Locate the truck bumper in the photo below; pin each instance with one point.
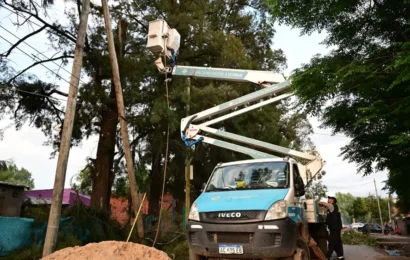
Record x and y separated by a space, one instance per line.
268 239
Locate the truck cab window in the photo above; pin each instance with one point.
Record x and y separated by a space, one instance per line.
262 175
298 181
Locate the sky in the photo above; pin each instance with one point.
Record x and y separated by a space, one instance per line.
26 146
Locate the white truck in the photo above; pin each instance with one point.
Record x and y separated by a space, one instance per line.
252 209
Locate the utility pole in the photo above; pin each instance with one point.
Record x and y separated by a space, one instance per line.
188 159
388 206
64 152
121 113
378 203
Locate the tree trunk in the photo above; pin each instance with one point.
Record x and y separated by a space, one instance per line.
155 185
103 175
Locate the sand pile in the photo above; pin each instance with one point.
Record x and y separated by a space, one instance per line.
109 250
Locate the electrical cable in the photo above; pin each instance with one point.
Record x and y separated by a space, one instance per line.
38 52
40 63
34 93
166 154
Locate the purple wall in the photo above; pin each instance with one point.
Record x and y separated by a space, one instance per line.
69 196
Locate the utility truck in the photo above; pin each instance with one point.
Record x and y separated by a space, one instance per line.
251 209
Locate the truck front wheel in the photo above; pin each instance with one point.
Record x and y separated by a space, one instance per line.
301 253
193 256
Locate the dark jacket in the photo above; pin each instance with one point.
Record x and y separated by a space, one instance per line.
334 220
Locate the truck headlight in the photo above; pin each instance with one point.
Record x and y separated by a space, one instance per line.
193 213
278 210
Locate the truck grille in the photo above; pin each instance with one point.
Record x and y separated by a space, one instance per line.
230 237
225 217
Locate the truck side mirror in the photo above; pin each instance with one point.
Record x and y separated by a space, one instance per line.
299 187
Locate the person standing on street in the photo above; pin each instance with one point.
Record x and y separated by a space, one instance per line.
334 223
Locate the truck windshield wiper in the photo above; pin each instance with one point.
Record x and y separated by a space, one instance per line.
225 188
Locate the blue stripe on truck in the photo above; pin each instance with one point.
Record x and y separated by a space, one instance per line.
239 199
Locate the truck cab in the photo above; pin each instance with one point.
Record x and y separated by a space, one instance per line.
249 209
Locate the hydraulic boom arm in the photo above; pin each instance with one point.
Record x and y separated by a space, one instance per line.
162 42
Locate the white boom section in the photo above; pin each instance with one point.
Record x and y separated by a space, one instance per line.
264 96
255 76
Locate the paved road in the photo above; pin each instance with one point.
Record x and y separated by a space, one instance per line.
365 252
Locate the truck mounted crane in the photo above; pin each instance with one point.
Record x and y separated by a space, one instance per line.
253 209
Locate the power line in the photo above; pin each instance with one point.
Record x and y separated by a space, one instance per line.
38 52
35 94
22 16
39 63
350 186
330 135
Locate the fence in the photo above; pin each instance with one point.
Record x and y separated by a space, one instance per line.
16 233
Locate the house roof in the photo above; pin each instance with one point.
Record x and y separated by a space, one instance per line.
14 185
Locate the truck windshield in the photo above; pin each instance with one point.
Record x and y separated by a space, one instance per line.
263 175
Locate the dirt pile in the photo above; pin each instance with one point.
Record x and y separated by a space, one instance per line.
109 250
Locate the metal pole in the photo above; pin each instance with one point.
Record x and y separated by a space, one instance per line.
378 203
121 114
64 152
188 159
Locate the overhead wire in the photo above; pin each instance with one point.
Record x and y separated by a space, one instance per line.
39 63
38 52
166 154
35 94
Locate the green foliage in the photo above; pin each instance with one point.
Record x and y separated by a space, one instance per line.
345 203
82 182
352 237
26 253
316 190
178 251
214 33
363 209
36 252
361 88
10 173
91 225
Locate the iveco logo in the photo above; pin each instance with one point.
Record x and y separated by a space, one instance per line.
229 215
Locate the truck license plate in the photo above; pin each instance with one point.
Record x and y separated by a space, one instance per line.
230 249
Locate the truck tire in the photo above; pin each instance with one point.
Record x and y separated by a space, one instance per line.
193 256
302 251
319 233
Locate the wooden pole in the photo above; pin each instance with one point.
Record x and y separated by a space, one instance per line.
57 199
388 206
378 203
121 112
188 160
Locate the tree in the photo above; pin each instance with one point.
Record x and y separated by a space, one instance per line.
316 190
10 173
345 202
361 88
238 37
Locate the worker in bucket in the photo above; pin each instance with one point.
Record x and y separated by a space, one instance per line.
334 223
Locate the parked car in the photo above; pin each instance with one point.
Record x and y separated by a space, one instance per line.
357 226
371 228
